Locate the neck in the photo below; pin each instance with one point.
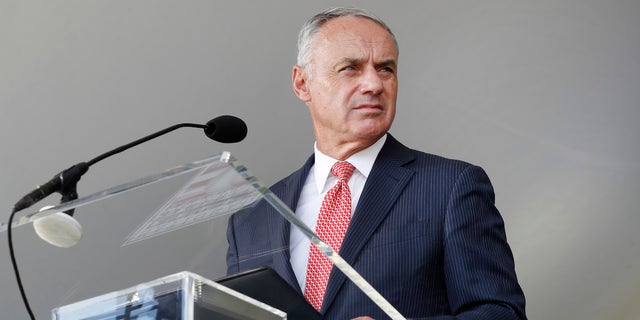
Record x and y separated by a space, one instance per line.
343 150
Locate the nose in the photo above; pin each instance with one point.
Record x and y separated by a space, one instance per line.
371 82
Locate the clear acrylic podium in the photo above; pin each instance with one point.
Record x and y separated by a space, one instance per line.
210 189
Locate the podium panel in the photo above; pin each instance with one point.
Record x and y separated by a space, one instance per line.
181 296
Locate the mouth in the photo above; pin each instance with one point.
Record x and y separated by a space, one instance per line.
369 107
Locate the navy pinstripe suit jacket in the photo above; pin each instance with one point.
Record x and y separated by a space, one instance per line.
425 234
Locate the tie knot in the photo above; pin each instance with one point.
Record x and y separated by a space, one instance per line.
343 170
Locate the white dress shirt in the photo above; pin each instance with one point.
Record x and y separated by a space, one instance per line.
318 182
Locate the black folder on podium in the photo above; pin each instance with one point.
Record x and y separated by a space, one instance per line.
265 285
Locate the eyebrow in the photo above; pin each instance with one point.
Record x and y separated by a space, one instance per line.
358 61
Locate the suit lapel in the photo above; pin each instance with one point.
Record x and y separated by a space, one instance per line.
289 193
384 185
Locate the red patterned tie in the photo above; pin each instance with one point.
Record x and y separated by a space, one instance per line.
333 221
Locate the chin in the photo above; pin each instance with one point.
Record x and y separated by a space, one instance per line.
372 135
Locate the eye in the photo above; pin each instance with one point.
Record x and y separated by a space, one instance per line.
348 68
387 69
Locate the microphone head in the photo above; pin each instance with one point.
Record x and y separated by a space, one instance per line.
226 129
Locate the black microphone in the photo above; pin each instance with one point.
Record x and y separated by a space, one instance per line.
225 129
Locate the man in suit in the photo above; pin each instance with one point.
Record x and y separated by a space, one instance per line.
423 230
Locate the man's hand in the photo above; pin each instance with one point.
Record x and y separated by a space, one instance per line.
363 318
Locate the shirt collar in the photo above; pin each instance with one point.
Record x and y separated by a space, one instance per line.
363 161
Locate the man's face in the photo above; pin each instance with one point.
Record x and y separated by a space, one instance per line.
353 86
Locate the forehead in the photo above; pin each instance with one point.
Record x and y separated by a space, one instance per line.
354 34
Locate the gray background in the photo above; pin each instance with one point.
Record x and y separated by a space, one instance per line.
543 94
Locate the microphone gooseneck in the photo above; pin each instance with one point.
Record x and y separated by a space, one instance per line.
225 129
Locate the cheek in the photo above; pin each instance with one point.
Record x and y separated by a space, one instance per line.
323 91
392 88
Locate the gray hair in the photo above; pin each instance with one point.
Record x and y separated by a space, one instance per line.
313 25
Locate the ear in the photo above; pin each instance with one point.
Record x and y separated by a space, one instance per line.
300 85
